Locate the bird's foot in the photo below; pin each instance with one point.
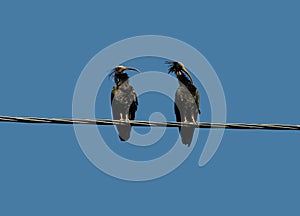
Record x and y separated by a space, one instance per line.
194 121
121 117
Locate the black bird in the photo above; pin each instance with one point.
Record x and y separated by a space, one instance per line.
187 99
123 100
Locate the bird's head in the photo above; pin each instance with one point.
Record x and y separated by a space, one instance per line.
120 69
178 68
118 73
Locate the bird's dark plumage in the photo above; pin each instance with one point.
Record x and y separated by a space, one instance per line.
187 99
124 101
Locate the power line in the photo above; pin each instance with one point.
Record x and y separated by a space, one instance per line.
35 120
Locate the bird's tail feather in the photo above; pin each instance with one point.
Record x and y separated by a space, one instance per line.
186 134
124 132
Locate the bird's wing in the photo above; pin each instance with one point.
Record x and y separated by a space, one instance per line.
134 105
177 104
197 100
135 99
115 110
112 95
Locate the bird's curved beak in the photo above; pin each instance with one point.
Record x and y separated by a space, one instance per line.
134 69
187 73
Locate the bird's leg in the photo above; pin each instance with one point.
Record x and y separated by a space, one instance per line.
194 121
185 119
193 118
126 118
121 117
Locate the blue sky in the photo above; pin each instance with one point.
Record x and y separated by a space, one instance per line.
254 49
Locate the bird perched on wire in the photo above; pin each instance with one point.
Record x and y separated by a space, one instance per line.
124 100
186 105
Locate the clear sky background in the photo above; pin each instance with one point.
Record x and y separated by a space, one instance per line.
253 47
